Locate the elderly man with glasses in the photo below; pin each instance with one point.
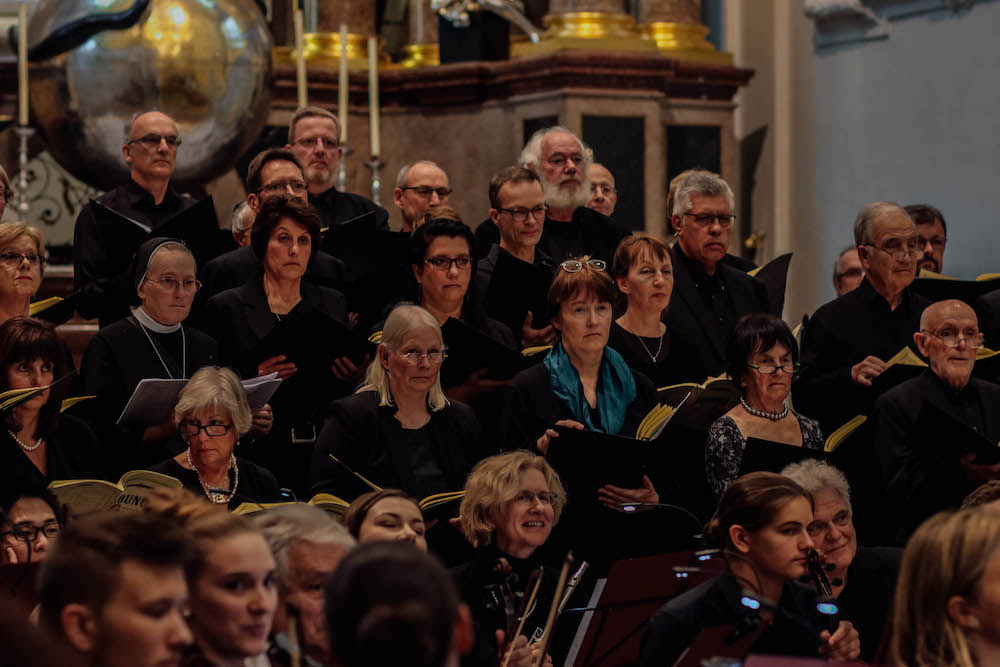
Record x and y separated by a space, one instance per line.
314 138
419 187
919 477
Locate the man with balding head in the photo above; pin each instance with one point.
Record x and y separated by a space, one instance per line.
603 194
847 271
419 187
848 341
918 479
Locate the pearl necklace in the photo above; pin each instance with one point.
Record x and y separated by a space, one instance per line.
27 448
773 416
217 498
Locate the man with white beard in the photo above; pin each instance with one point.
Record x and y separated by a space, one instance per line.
571 229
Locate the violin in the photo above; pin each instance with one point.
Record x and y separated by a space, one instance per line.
817 575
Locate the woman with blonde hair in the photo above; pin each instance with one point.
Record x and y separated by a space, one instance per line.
22 267
947 606
231 581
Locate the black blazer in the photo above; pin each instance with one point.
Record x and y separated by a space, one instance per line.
241 266
697 350
363 435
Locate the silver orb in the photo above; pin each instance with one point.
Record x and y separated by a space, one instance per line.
205 63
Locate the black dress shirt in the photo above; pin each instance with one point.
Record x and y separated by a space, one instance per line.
839 335
103 292
649 356
335 207
588 233
866 599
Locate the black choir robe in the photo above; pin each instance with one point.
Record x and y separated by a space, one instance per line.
335 207
71 452
649 356
117 358
589 233
241 266
866 599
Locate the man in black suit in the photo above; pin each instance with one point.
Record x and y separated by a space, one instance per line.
571 229
314 139
919 480
709 296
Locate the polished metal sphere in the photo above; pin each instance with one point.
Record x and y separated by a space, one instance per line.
205 63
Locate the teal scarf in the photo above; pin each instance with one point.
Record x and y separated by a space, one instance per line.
615 388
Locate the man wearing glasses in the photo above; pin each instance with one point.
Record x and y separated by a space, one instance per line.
603 194
918 478
150 150
314 139
848 341
30 520
933 232
419 187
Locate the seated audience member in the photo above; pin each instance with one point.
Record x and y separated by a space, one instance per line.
933 232
709 296
40 444
241 223
386 515
274 172
512 501
517 208
944 609
420 186
919 479
307 544
763 358
232 580
390 604
603 195
284 238
314 138
22 267
763 520
645 276
399 430
863 578
571 229
152 342
30 521
847 271
113 591
848 341
212 414
987 495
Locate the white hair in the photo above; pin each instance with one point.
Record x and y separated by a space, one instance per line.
813 475
286 525
242 216
864 224
531 155
703 183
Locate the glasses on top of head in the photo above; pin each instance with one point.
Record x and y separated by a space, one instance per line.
426 191
520 214
26 532
152 141
310 142
528 497
414 357
952 338
11 258
214 430
706 219
170 284
444 263
298 187
899 250
574 265
771 369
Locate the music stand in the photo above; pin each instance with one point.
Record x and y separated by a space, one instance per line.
725 641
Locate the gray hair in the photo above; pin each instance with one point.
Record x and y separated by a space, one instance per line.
836 262
310 112
285 525
864 224
243 215
531 155
703 183
215 389
813 475
405 171
400 322
130 125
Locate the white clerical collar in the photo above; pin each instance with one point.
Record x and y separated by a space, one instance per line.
151 324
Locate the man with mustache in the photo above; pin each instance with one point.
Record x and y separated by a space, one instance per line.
933 231
570 229
918 478
709 295
314 139
847 342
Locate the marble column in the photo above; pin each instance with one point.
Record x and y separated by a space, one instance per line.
422 49
676 29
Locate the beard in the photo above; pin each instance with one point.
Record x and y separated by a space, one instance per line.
323 175
566 195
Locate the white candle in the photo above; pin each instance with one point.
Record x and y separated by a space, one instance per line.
420 21
22 64
300 59
342 85
376 144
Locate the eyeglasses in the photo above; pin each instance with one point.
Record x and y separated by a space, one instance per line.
574 265
414 357
444 263
706 219
171 284
851 273
426 191
529 497
898 250
841 520
152 141
310 142
952 338
15 258
771 369
298 187
213 430
605 190
26 532
560 160
521 214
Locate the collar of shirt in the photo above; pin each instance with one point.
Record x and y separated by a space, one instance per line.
866 292
327 196
701 279
140 198
967 395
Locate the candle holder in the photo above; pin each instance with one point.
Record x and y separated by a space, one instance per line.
342 169
24 133
374 165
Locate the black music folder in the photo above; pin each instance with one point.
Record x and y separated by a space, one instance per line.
949 438
515 288
470 350
312 340
769 456
774 275
940 288
588 460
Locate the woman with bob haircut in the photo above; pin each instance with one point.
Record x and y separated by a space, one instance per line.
512 501
761 529
763 358
386 515
22 267
948 593
212 414
232 581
